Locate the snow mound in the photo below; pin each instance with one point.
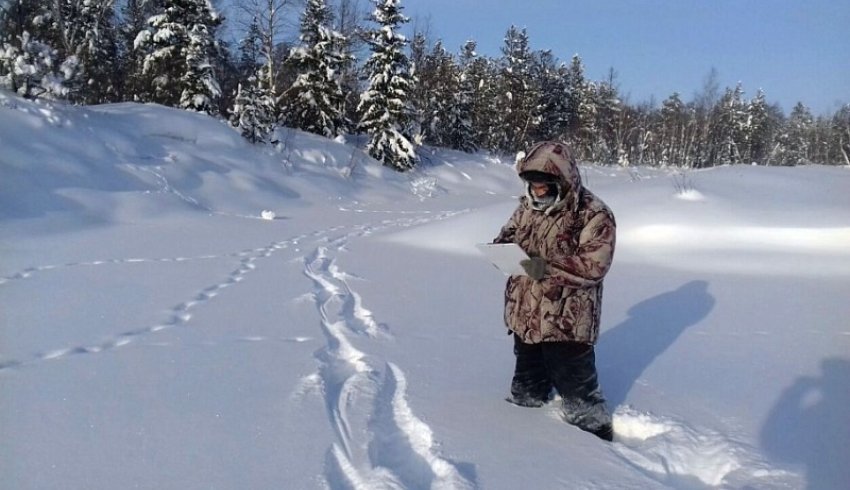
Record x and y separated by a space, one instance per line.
691 195
678 452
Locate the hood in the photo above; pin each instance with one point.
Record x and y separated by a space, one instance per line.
554 158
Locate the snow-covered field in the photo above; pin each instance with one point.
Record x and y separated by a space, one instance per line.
157 332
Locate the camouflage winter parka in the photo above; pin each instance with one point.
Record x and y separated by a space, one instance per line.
575 236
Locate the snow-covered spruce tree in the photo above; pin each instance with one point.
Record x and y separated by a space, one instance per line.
384 106
28 67
178 45
554 95
314 102
479 73
581 109
518 111
727 131
30 63
760 128
672 132
793 142
88 32
437 88
459 133
607 145
250 51
348 23
253 111
134 15
840 140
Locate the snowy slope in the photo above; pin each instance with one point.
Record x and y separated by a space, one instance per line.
156 332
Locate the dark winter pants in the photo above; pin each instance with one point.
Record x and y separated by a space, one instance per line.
570 368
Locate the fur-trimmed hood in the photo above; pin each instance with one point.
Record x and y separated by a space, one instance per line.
555 158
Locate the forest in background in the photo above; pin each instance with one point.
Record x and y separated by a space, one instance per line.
344 67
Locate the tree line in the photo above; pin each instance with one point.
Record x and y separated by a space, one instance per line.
350 73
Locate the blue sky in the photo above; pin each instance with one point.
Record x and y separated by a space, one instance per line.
795 50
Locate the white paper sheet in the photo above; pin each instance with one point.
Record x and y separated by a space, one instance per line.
504 256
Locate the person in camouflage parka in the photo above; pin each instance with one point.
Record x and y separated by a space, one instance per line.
554 311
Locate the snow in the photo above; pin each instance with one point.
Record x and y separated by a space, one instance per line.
183 309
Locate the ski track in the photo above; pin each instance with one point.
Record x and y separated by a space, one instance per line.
380 443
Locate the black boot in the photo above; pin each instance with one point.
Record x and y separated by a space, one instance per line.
606 432
530 386
572 368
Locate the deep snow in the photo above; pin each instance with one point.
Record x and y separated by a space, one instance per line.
159 330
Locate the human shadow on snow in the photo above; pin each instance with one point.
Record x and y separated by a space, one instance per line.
810 425
653 325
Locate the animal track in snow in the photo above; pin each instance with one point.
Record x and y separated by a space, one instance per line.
180 315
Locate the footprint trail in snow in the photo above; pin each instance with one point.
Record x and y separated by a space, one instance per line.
379 442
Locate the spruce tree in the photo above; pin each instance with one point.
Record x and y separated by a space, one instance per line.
87 32
760 130
385 108
178 46
459 133
437 83
581 108
793 145
840 140
253 111
672 131
727 130
518 101
315 100
478 72
31 61
606 146
554 94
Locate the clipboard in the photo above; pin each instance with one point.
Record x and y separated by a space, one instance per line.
504 256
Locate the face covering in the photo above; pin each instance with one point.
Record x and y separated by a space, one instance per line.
546 200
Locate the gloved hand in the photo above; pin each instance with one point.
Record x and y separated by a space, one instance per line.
535 267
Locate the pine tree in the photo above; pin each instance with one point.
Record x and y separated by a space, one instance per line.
385 108
178 45
315 100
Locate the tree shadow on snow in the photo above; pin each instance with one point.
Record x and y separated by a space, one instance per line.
810 425
651 328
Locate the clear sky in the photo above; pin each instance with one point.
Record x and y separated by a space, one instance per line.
795 50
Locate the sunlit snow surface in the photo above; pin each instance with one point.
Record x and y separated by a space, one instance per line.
180 309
